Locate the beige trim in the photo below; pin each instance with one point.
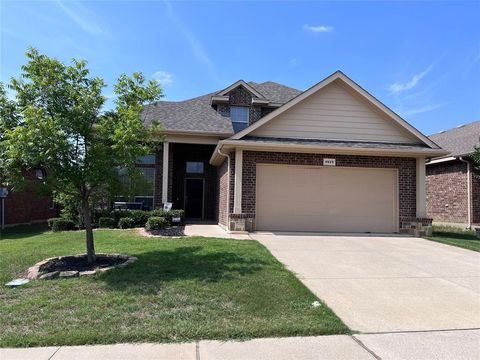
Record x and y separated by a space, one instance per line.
165 172
226 145
420 188
237 195
338 75
195 139
394 194
469 192
440 160
236 84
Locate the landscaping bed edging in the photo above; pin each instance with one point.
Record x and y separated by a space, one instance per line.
41 269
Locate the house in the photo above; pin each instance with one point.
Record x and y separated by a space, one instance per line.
453 189
24 207
264 156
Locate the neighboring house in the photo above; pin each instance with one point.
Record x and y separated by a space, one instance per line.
264 156
25 207
453 189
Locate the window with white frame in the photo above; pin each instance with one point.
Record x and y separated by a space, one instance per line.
239 116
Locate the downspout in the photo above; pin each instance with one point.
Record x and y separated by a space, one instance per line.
469 193
228 180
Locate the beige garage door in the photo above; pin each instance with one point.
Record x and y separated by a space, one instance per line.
301 198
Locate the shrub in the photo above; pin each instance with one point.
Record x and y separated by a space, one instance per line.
126 223
158 213
106 222
156 223
139 217
61 224
176 213
97 214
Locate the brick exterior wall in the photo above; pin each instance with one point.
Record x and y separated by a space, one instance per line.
25 207
222 199
406 171
242 97
446 185
157 199
476 198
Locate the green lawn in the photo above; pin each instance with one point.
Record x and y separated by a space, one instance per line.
178 290
456 237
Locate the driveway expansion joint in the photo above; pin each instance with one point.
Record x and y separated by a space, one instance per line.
363 346
197 350
413 331
54 353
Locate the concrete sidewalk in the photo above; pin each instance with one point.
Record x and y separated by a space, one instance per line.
458 344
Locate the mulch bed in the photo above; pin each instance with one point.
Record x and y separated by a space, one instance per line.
79 263
169 231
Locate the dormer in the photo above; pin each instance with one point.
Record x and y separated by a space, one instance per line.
242 103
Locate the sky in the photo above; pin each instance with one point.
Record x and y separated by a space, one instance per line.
421 59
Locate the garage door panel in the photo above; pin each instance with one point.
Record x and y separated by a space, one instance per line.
297 198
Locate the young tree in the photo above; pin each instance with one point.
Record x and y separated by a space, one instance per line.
476 159
56 125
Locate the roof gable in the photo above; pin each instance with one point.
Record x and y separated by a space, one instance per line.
245 85
336 108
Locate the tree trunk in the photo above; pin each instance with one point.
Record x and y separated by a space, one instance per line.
87 217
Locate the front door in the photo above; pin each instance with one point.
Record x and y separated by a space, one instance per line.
194 198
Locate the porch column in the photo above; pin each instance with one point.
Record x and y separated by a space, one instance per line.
237 195
421 192
165 173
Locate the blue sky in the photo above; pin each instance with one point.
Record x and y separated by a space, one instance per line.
422 59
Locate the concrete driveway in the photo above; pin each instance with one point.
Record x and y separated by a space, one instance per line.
386 284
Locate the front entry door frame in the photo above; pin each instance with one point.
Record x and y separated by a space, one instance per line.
185 195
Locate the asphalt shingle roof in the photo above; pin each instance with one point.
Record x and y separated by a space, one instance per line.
337 143
197 115
460 140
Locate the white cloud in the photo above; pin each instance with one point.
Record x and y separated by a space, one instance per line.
163 77
423 109
398 87
318 28
88 26
294 62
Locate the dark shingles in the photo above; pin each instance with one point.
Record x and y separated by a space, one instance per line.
460 140
197 115
335 143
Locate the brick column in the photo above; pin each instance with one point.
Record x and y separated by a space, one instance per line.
165 172
420 189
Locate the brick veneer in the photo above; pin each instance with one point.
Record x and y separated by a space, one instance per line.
406 173
242 97
446 185
476 198
25 207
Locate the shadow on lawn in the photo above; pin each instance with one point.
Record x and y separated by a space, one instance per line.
456 235
22 231
183 263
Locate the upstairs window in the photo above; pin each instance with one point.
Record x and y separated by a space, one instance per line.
239 116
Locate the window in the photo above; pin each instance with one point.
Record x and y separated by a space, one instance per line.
146 159
139 187
194 167
239 116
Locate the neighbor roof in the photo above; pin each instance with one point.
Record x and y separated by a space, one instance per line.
460 141
197 114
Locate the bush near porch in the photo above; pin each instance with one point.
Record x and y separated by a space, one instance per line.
122 219
178 290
